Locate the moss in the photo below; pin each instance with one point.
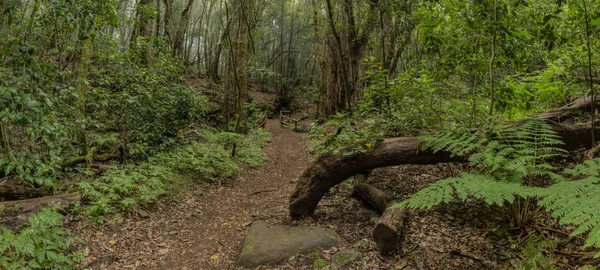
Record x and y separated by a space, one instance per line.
320 264
342 259
247 247
332 234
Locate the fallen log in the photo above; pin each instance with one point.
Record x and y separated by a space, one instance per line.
567 111
329 170
374 198
575 136
14 191
21 210
389 229
82 159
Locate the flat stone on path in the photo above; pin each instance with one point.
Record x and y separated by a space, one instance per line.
345 257
267 243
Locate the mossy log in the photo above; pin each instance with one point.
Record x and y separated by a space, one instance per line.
82 159
14 191
21 210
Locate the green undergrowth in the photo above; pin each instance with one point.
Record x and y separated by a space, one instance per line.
513 168
209 157
212 157
42 244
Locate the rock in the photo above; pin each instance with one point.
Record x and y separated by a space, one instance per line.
267 243
320 264
345 257
107 260
142 213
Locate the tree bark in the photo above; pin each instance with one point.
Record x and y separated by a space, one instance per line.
177 46
389 230
331 169
23 209
374 198
390 227
565 112
16 191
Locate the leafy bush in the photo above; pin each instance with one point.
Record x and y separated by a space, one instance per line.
120 190
41 245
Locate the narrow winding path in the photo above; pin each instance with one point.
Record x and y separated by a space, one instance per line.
203 228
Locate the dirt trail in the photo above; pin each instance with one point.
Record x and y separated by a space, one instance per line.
203 227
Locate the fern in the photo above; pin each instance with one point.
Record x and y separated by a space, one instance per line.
577 202
533 253
507 153
42 245
483 187
505 158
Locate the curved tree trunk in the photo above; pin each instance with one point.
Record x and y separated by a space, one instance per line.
329 170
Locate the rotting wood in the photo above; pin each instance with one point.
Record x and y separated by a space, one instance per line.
23 209
12 191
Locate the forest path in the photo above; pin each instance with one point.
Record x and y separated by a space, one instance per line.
203 227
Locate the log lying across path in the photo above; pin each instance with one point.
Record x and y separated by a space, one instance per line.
390 227
329 170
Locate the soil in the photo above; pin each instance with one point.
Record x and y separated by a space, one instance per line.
203 226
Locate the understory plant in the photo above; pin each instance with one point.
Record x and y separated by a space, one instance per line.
42 244
210 157
513 169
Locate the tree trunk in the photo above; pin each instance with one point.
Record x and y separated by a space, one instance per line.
390 227
143 27
213 68
23 209
331 169
246 7
177 46
167 20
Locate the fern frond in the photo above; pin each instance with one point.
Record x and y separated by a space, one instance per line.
484 187
578 203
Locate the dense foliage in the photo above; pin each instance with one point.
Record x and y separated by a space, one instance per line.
87 82
41 245
512 168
